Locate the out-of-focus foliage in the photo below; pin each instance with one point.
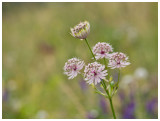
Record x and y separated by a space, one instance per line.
37 42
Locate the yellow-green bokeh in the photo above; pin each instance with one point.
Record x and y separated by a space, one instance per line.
36 43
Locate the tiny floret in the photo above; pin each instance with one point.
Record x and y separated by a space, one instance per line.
72 67
94 72
102 50
81 30
118 60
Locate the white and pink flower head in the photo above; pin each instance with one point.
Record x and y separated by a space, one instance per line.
81 30
94 72
102 50
118 60
72 67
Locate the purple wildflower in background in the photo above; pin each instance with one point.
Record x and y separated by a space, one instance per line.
128 111
151 107
103 105
5 95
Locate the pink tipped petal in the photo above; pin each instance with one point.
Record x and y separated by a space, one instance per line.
72 67
102 50
94 72
118 60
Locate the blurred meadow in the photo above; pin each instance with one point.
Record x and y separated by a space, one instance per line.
36 43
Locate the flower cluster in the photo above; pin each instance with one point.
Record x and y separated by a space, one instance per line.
101 50
118 60
81 30
94 72
72 67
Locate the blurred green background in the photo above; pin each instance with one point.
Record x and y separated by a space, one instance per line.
37 42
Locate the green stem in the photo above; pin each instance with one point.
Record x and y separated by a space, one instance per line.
103 83
90 49
110 98
117 84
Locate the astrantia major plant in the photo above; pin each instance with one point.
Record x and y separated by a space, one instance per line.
96 72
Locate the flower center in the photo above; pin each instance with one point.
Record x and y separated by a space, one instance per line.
118 62
102 52
95 73
74 68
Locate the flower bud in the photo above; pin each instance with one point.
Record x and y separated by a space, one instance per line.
81 30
